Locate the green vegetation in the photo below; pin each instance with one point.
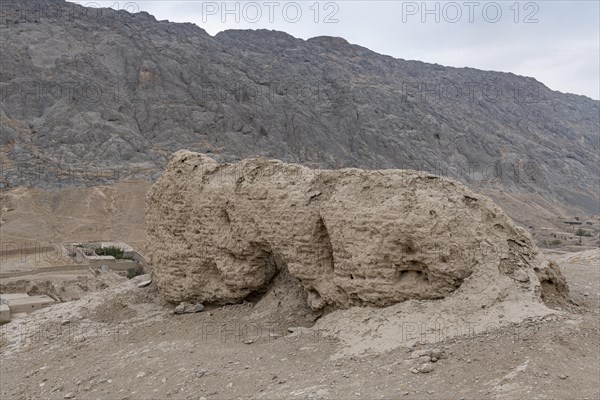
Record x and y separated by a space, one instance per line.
581 232
133 272
112 251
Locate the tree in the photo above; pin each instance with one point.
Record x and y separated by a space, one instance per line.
581 232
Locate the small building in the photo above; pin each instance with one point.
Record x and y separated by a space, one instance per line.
4 313
16 303
89 254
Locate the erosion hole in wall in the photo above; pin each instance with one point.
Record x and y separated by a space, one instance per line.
412 273
312 292
225 216
412 277
324 252
272 262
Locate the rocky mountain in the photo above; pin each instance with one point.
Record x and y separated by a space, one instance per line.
92 96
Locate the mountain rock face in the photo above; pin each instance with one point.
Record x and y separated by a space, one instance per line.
91 96
220 233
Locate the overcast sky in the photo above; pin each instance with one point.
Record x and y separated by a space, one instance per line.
556 42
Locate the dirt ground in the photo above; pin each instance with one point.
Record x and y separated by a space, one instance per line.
60 286
36 218
125 343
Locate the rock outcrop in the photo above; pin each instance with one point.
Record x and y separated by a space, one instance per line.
221 233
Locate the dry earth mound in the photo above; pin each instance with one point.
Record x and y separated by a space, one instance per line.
222 233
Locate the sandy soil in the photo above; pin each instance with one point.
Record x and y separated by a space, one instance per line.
62 286
36 217
125 343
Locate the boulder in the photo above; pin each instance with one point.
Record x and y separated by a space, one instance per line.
188 308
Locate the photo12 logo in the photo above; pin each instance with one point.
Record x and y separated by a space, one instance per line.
20 11
471 92
77 90
73 332
270 11
470 11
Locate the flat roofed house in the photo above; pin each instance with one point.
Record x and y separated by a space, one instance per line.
29 304
4 313
22 303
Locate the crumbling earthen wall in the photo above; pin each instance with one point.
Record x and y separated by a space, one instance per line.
219 233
